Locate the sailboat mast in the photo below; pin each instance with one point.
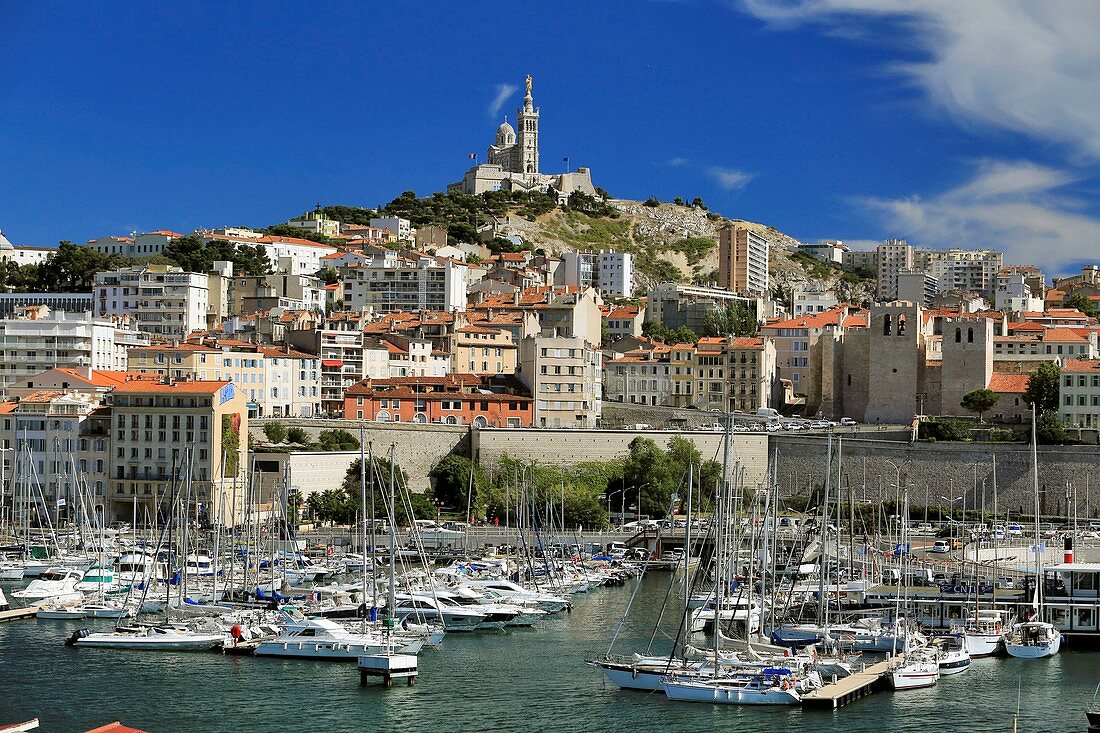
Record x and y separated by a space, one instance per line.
363 514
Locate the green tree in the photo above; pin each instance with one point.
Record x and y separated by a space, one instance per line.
275 432
1049 430
328 275
194 255
652 202
337 440
697 203
72 268
1043 387
731 319
1081 302
980 401
378 477
451 483
658 473
298 435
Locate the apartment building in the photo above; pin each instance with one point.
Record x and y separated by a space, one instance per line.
58 444
827 250
275 381
482 350
401 228
892 257
1080 393
917 286
965 270
41 339
166 429
675 304
346 357
682 374
624 321
742 261
160 299
564 376
457 399
812 299
641 376
611 272
392 283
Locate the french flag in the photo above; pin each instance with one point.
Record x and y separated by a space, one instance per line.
472 156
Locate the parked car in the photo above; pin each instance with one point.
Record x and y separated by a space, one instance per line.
847 421
941 546
1006 582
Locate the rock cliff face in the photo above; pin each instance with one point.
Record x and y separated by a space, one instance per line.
673 242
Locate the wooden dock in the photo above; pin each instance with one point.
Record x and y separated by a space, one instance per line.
17 613
847 689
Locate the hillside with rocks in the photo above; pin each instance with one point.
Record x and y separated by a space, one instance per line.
675 242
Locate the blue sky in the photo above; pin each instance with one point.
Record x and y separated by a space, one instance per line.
964 124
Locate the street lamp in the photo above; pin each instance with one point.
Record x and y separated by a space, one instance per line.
951 507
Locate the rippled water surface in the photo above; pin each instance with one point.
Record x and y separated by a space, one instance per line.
524 680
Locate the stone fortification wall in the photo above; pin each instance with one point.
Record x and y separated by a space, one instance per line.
575 446
945 469
419 447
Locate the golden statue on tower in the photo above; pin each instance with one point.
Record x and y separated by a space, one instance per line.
528 85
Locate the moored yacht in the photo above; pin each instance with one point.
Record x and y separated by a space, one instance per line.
319 638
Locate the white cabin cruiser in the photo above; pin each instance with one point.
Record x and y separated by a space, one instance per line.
319 638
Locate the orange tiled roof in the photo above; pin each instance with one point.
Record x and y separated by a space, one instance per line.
194 386
105 378
1008 383
1081 365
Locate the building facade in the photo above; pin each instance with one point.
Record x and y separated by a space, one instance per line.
161 299
742 261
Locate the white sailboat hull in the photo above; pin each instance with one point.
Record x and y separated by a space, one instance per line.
718 693
983 645
1034 640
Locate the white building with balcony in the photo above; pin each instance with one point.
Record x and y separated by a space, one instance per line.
161 299
50 339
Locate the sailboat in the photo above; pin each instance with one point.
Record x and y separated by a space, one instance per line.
1034 638
919 667
983 634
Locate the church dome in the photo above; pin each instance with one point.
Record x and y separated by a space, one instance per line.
505 134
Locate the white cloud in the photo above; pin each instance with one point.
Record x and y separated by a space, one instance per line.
503 92
1031 67
677 162
1015 207
729 178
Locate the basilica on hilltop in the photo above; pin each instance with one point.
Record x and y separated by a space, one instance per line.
512 161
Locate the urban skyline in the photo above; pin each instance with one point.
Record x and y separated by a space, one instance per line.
878 124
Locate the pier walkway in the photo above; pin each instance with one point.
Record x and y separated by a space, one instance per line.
857 685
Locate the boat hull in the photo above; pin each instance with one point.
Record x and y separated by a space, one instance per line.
983 645
729 695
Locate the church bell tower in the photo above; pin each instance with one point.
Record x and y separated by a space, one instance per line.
527 136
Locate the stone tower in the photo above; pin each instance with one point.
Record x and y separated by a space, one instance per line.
967 360
527 137
895 362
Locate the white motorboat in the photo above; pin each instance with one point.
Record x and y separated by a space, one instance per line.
11 570
139 567
57 584
148 637
951 655
97 578
3 601
320 638
515 593
916 670
421 609
198 564
737 613
772 686
1032 640
984 632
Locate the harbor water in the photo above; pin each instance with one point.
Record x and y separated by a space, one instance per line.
522 680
